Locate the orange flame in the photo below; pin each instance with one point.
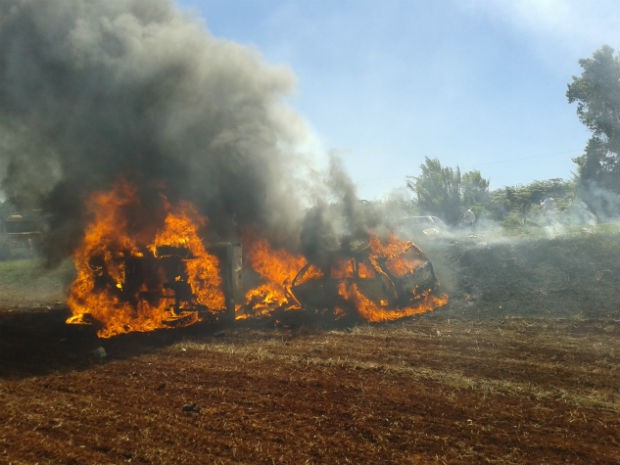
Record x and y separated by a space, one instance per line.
133 277
374 313
277 267
203 271
105 292
399 258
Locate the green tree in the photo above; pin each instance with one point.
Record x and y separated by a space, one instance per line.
444 192
513 204
475 191
438 190
597 93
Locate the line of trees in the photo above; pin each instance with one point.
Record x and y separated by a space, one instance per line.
445 192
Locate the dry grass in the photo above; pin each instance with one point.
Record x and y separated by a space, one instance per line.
493 359
429 390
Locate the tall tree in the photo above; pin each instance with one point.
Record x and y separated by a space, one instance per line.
475 190
597 93
438 190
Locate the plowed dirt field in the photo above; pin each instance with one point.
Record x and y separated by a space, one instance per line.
427 390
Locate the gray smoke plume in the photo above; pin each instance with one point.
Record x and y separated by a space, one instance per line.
91 91
330 227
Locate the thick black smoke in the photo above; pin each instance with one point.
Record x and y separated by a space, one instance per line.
92 90
335 225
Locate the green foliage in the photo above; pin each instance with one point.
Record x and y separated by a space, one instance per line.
475 188
597 93
438 190
512 205
513 223
475 192
442 191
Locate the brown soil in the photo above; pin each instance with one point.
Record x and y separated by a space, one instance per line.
523 366
427 390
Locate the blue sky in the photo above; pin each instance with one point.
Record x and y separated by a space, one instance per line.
478 84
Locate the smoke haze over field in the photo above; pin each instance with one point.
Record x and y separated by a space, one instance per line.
90 91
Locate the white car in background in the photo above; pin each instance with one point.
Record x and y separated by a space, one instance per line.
428 225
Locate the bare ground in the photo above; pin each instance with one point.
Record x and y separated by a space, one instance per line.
427 390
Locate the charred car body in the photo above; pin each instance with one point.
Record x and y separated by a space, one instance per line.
365 282
384 280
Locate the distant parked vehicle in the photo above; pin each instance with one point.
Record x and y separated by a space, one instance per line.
428 225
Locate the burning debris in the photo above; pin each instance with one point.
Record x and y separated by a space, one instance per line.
377 280
128 280
160 155
142 276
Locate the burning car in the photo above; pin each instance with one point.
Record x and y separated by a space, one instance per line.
375 281
167 275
